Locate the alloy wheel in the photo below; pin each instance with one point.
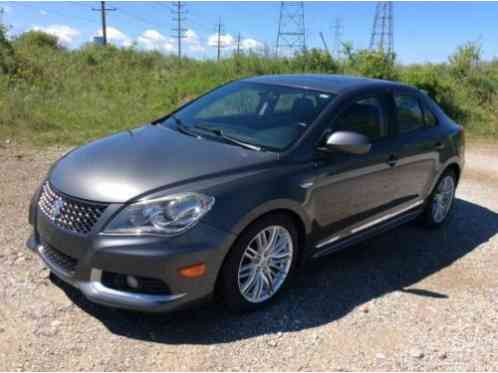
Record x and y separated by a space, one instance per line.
265 264
443 198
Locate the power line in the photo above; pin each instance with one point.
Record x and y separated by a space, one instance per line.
144 22
291 37
382 38
103 11
179 17
52 10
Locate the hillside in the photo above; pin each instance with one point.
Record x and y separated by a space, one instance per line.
50 95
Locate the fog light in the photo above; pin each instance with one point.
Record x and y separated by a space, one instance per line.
132 282
196 270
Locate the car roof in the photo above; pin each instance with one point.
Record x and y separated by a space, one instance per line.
330 83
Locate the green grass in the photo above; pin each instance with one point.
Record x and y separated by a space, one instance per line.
50 95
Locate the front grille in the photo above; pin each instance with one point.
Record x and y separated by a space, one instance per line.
146 285
59 260
68 213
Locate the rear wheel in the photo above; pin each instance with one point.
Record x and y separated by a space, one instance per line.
439 205
260 264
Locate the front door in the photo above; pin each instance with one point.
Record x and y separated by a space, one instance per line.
351 189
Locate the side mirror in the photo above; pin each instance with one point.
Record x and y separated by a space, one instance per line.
347 142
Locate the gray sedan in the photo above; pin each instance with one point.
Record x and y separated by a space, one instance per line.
230 193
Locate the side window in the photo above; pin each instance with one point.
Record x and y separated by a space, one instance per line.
285 103
363 116
430 118
409 114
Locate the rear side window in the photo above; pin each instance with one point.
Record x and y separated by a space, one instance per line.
409 114
430 118
363 116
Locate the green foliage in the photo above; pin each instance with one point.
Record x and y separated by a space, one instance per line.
372 64
7 59
465 60
36 39
314 61
49 94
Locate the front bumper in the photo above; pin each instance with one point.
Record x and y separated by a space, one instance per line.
150 257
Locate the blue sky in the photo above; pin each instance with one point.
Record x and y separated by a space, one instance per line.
423 31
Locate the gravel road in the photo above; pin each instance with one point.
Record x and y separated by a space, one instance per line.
411 299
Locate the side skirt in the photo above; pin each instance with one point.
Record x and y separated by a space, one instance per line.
340 244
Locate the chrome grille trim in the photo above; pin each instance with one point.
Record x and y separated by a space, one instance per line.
68 213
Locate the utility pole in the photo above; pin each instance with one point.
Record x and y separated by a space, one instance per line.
103 11
179 31
238 45
220 27
1 16
382 38
291 37
338 28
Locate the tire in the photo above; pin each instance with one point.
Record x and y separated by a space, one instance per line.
432 217
240 265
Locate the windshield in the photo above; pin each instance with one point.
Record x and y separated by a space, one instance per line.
268 116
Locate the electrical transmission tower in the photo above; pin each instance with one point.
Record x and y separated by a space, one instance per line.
338 29
382 30
179 17
291 37
103 11
1 16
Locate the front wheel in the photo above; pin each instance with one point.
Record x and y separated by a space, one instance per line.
260 264
441 200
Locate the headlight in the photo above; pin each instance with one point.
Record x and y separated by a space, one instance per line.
168 215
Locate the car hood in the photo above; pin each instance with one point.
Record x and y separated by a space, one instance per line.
118 168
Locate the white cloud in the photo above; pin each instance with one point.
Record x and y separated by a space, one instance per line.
65 34
43 12
193 41
226 40
115 36
251 44
154 40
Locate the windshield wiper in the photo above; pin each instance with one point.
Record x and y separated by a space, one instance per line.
219 132
182 127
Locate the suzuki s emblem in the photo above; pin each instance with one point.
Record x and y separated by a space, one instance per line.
57 208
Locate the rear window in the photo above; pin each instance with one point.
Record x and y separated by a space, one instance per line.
430 118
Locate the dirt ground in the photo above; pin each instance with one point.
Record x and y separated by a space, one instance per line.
411 299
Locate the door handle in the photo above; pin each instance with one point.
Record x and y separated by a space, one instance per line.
439 145
392 160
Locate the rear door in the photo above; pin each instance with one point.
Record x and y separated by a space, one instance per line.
418 152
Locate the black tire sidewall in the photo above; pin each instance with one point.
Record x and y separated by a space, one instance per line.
229 285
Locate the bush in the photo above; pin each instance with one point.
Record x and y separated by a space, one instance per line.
7 57
49 94
372 64
36 39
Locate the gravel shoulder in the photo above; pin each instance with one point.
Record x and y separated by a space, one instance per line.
411 299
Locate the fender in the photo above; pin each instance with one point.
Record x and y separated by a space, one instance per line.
274 205
455 160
